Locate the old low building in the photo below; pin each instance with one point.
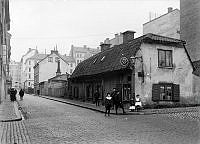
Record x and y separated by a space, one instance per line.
157 68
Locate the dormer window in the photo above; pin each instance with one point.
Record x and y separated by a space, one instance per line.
94 60
103 58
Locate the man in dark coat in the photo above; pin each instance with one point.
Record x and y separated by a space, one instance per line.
96 97
117 100
13 93
21 94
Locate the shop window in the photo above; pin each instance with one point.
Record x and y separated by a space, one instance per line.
164 58
165 92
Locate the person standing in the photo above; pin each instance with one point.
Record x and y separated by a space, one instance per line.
96 97
21 94
118 102
108 104
113 94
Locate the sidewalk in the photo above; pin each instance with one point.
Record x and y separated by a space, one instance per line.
12 128
101 108
9 111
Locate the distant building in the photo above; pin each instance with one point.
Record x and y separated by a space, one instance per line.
29 53
79 54
165 25
118 39
47 67
190 26
15 74
29 71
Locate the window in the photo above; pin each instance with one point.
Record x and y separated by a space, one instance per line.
56 59
165 92
71 64
164 58
29 84
29 62
29 69
77 61
29 76
103 58
71 71
50 59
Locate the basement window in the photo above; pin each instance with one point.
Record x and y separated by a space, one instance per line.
103 58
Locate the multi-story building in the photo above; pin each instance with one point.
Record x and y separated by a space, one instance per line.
190 26
15 73
29 53
79 54
4 47
165 25
29 71
47 67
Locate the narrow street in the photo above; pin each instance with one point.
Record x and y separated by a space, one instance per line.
51 122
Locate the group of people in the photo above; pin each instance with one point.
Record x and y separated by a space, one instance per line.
13 93
114 100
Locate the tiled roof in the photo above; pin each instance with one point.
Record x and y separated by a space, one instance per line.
111 61
68 58
38 56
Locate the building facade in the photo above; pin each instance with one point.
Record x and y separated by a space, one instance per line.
15 74
5 48
47 68
25 66
157 68
29 71
79 54
166 25
190 26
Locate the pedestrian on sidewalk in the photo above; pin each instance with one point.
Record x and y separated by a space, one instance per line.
113 94
108 104
13 93
96 97
117 100
21 94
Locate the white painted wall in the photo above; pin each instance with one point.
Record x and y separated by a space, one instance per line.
48 70
181 73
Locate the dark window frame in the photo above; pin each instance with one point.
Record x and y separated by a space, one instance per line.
165 85
165 60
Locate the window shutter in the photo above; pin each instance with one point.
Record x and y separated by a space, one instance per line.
176 96
155 92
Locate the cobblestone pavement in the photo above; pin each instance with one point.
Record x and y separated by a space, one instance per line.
51 122
12 129
14 132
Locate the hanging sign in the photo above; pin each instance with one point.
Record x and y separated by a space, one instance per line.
124 61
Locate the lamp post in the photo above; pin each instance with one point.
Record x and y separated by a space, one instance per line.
133 61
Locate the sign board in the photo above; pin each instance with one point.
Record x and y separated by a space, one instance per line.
124 61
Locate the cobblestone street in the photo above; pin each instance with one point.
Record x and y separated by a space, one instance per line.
50 122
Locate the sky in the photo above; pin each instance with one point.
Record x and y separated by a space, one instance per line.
43 24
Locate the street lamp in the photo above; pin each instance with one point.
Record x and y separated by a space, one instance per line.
133 61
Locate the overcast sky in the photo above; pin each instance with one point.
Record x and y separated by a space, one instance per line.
45 23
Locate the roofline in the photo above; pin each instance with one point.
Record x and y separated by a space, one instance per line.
161 16
51 54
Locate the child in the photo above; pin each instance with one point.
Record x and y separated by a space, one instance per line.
108 104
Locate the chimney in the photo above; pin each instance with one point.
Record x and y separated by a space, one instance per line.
107 41
54 51
58 69
104 46
170 9
84 46
127 36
